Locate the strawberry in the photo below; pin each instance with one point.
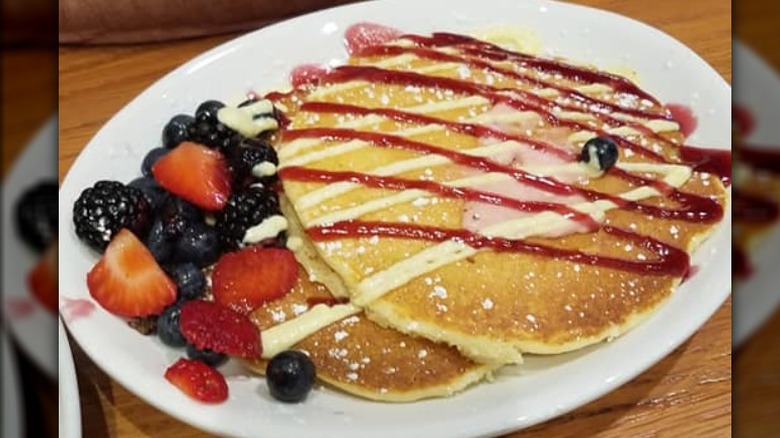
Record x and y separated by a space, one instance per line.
249 277
209 325
42 280
127 281
198 380
196 173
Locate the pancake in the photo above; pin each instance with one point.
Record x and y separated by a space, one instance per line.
355 354
362 358
373 151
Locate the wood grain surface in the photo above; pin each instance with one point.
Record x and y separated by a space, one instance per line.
687 394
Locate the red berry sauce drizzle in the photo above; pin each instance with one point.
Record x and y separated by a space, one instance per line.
751 208
368 40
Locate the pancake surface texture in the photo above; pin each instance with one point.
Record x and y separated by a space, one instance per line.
438 180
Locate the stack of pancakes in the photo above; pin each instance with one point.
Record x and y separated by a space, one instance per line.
430 325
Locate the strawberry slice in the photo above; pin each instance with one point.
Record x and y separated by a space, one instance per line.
198 380
42 280
196 173
127 281
249 277
208 325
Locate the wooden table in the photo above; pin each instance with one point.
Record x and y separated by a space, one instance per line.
686 394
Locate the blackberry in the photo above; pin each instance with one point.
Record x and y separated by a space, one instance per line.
214 134
36 215
105 208
244 210
250 153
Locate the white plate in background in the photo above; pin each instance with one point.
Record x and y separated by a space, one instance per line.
30 323
545 386
757 88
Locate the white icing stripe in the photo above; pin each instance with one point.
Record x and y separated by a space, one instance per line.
680 173
283 336
442 254
268 228
318 196
402 197
402 272
412 194
293 148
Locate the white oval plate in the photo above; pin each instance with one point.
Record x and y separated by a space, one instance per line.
13 412
69 404
543 387
32 324
757 88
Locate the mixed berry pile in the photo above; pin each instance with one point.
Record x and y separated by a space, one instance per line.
182 222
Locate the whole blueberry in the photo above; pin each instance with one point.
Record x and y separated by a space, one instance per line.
158 243
211 358
177 215
151 157
177 130
154 194
168 327
207 111
198 244
603 149
290 376
190 280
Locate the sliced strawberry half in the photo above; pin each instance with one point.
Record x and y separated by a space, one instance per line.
198 380
249 277
127 281
196 173
208 325
42 280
